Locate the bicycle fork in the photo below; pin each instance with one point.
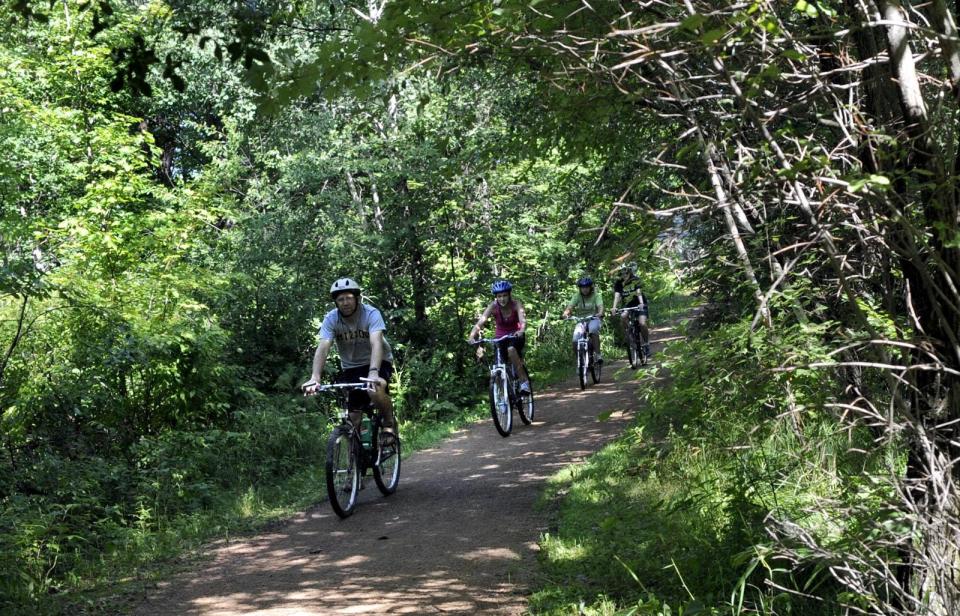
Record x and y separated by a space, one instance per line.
500 382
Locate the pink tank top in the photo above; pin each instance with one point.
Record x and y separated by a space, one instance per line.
506 325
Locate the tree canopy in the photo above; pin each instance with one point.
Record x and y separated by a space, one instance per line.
182 181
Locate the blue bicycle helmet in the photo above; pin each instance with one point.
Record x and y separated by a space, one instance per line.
586 281
500 286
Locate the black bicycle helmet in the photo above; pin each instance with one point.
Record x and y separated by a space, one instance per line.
500 286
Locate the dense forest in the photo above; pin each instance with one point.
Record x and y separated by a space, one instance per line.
181 181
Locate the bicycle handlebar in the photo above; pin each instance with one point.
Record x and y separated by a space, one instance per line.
366 385
494 340
580 319
625 310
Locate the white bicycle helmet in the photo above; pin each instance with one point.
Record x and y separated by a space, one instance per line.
344 284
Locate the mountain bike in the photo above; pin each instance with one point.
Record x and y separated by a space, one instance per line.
587 360
353 450
636 341
505 392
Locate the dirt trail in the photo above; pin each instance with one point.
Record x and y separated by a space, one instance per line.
458 537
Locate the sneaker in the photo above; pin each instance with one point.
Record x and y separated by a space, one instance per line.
525 387
646 350
599 358
387 437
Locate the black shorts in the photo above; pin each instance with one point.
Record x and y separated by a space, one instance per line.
517 343
645 311
357 398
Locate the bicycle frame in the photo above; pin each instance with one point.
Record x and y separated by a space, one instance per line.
340 392
345 472
584 350
502 398
634 334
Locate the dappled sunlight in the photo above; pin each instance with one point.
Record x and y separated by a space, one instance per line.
491 554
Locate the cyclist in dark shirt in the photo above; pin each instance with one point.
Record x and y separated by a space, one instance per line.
627 289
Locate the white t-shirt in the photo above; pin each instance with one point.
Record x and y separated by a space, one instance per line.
352 335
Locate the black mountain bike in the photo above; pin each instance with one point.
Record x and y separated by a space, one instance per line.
353 450
505 392
636 342
587 361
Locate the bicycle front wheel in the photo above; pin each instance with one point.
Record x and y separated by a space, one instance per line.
500 405
343 477
633 349
386 464
582 368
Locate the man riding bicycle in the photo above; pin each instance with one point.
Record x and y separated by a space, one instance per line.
509 318
627 288
359 332
586 302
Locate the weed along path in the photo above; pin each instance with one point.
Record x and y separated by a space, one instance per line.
458 537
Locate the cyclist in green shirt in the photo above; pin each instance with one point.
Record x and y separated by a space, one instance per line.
586 302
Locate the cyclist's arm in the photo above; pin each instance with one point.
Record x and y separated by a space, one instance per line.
522 317
480 323
616 302
599 305
376 355
320 359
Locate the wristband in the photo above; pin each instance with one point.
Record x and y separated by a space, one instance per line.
377 370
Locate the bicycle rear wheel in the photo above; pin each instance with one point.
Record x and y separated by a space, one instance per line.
343 477
595 366
526 404
386 463
500 405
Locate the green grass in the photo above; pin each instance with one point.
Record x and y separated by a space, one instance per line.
671 517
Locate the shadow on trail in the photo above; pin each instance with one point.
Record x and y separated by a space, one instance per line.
458 537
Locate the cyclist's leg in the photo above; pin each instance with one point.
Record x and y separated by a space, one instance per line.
644 331
356 399
578 333
594 328
515 352
381 399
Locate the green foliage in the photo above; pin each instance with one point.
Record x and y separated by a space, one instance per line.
675 512
166 261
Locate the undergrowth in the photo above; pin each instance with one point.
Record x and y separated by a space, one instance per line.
675 516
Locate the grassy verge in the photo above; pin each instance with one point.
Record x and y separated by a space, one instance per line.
677 516
642 525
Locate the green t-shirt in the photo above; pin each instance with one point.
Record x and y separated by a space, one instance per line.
585 306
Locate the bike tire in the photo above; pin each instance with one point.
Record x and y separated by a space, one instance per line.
500 406
527 406
582 368
386 462
595 368
343 476
633 352
641 346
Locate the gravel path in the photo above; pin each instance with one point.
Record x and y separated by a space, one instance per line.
458 537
